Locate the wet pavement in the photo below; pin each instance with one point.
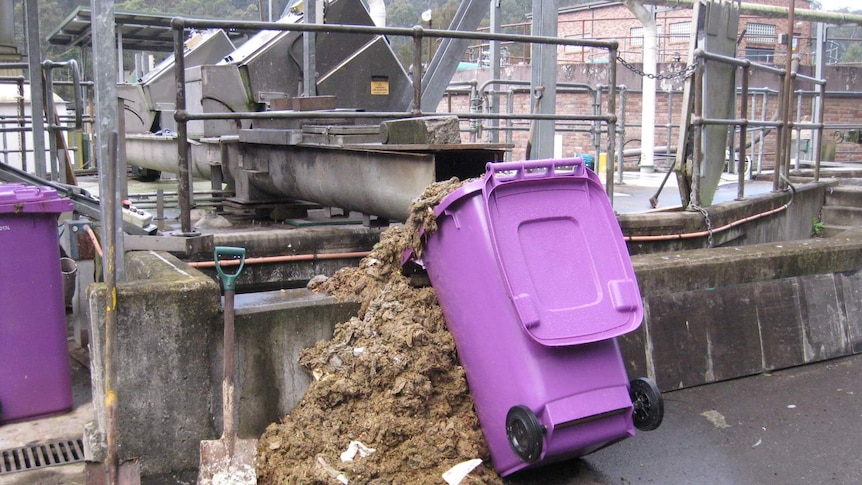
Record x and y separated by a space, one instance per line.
796 426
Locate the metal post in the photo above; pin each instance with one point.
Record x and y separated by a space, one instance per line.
820 99
818 153
105 82
743 134
34 58
544 77
697 149
779 148
798 131
669 123
110 225
184 182
417 70
309 51
57 174
612 122
788 91
621 134
22 138
494 99
120 75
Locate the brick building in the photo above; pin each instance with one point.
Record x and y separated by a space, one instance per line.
614 21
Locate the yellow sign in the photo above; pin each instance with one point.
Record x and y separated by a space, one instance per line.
380 87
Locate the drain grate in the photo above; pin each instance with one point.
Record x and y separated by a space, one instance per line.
41 455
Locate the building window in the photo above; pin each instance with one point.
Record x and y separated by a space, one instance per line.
759 54
636 34
759 33
680 31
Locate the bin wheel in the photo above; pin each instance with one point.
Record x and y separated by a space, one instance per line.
524 432
647 403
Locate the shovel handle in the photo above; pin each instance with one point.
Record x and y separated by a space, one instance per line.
228 279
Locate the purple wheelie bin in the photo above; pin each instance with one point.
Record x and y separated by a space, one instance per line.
35 373
535 282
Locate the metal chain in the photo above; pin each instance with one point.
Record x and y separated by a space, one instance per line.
710 242
681 74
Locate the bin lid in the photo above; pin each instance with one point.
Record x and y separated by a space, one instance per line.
561 251
22 198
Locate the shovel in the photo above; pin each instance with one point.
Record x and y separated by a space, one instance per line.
228 460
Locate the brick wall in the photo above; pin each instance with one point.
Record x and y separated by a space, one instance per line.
614 21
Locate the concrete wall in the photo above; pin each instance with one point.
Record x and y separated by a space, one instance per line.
166 321
786 216
170 350
270 335
723 313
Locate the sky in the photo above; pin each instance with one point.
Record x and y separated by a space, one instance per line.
838 4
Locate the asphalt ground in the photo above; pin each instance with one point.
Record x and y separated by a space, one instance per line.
795 426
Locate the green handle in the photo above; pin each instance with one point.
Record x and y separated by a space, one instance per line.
229 280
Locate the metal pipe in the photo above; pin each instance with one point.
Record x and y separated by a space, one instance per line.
180 115
612 121
31 14
697 151
621 129
743 132
251 26
110 260
21 112
798 131
56 172
818 152
779 146
788 93
281 259
774 12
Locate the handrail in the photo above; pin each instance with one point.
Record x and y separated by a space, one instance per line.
784 124
182 116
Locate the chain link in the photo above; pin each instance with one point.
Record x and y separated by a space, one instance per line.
710 242
681 74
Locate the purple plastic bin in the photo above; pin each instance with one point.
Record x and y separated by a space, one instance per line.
533 275
35 374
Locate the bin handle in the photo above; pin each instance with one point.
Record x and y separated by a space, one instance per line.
228 279
498 172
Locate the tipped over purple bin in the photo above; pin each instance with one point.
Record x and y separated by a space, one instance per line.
533 275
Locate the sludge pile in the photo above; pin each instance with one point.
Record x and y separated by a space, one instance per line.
389 379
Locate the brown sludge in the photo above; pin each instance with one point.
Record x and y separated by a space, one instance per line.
389 378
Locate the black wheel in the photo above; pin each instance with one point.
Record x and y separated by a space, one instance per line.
647 402
524 433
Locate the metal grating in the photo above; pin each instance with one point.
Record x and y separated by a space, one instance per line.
41 455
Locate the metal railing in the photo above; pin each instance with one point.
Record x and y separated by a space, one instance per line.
22 123
417 33
783 124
